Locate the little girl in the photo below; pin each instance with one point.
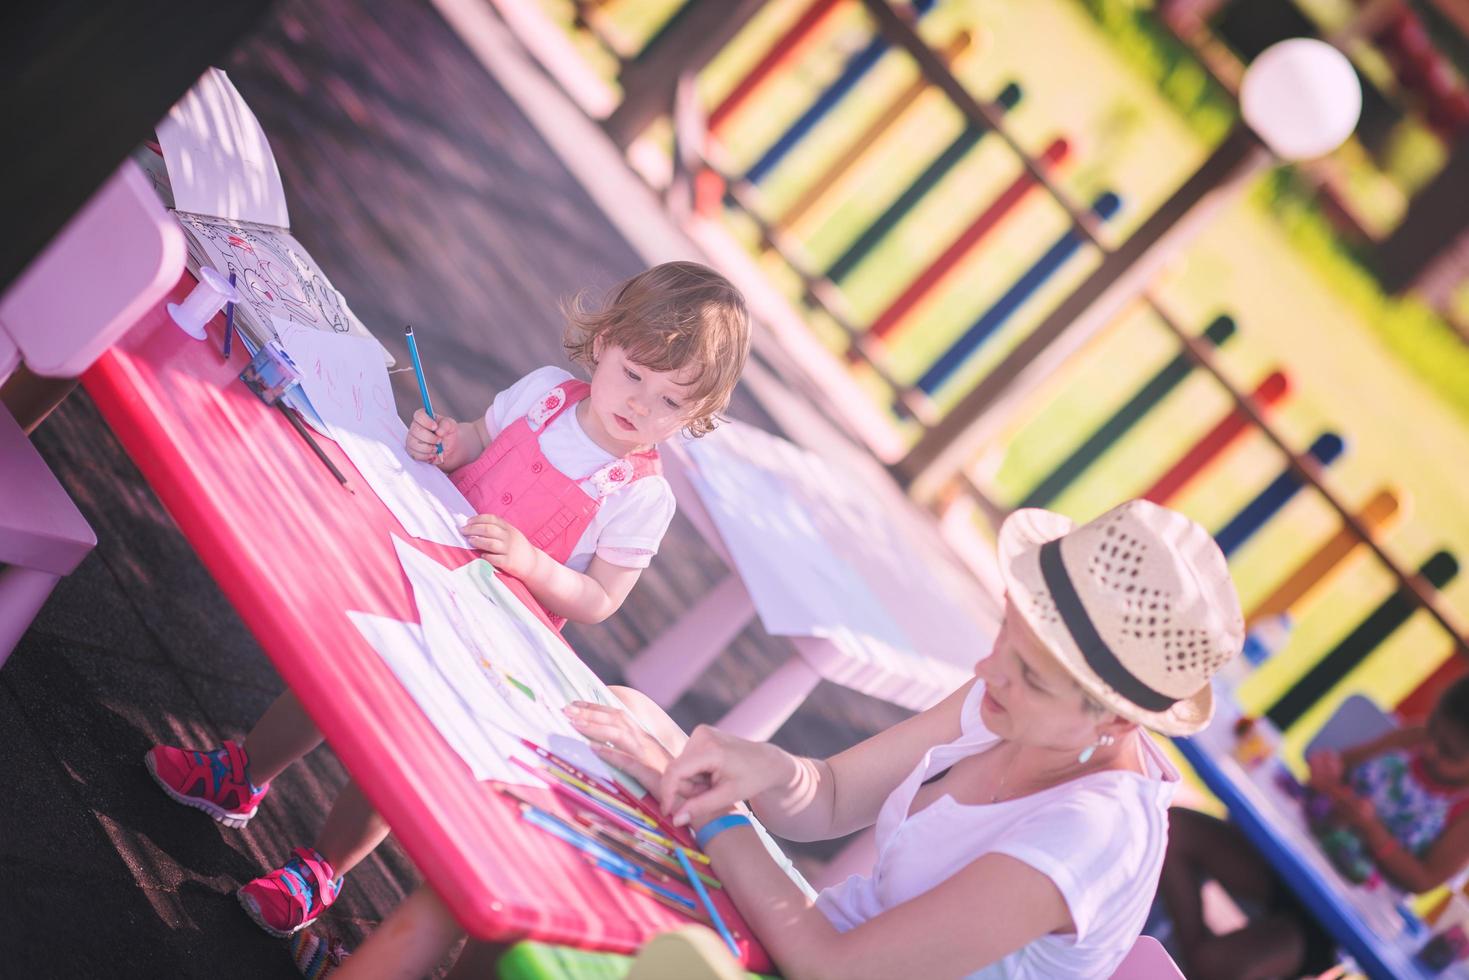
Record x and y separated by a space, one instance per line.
1398 804
564 475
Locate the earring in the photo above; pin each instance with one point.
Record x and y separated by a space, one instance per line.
1090 750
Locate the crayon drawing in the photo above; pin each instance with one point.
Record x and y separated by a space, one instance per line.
276 276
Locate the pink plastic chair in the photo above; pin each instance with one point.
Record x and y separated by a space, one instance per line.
1148 960
115 260
42 534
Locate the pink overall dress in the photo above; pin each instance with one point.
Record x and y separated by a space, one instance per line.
513 479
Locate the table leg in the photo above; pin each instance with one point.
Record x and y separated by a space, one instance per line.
23 591
669 665
857 857
766 708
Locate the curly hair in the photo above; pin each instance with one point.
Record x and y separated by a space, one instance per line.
674 317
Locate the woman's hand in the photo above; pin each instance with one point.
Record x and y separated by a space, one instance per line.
426 434
620 741
715 771
503 544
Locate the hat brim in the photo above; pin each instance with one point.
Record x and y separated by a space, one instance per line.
1021 536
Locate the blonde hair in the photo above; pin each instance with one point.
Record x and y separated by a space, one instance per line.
678 316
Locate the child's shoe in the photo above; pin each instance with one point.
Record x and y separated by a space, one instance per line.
216 782
290 898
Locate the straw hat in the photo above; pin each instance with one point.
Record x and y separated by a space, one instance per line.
1137 605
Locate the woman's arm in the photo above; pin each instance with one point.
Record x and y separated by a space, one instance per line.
799 798
994 906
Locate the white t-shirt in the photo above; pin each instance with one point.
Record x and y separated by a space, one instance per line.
630 523
1099 838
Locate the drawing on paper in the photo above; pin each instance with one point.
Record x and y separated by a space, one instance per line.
275 274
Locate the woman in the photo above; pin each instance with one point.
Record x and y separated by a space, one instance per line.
1022 821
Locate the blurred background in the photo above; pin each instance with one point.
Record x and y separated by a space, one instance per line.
949 230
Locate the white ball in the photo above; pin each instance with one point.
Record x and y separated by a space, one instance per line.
1302 97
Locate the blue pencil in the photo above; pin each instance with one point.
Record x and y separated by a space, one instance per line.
229 321
428 405
719 926
642 879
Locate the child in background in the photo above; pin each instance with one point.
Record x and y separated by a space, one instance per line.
1400 803
565 477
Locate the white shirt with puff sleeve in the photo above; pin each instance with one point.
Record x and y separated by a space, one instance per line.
1099 838
631 522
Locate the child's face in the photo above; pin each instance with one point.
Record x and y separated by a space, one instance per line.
1447 750
633 406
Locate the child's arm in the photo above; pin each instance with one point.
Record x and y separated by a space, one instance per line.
1444 859
561 591
462 442
1329 767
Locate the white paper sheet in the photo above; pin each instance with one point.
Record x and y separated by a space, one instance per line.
508 678
219 161
347 384
276 277
484 748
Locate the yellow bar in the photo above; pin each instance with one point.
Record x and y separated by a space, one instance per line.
818 187
1330 560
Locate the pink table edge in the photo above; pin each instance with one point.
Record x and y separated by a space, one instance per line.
142 389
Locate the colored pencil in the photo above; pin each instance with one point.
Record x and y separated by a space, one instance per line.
300 428
709 908
654 852
229 321
620 870
559 828
581 799
566 779
608 785
428 405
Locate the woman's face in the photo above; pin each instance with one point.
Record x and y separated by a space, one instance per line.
1447 751
1029 696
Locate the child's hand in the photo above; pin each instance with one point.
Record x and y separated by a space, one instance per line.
426 434
1326 770
503 544
620 741
1354 812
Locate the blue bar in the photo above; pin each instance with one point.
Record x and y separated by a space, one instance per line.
1327 447
1009 96
1105 206
855 70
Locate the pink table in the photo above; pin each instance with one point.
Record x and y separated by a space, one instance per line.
293 551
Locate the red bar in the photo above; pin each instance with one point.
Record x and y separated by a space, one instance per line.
1002 205
1271 390
1416 707
779 51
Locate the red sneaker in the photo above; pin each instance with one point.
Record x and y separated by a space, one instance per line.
290 898
216 782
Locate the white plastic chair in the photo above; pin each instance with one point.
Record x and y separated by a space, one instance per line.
1358 719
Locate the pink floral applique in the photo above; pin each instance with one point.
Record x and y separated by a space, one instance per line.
546 407
613 476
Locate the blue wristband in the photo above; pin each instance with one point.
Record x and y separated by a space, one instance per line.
714 828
